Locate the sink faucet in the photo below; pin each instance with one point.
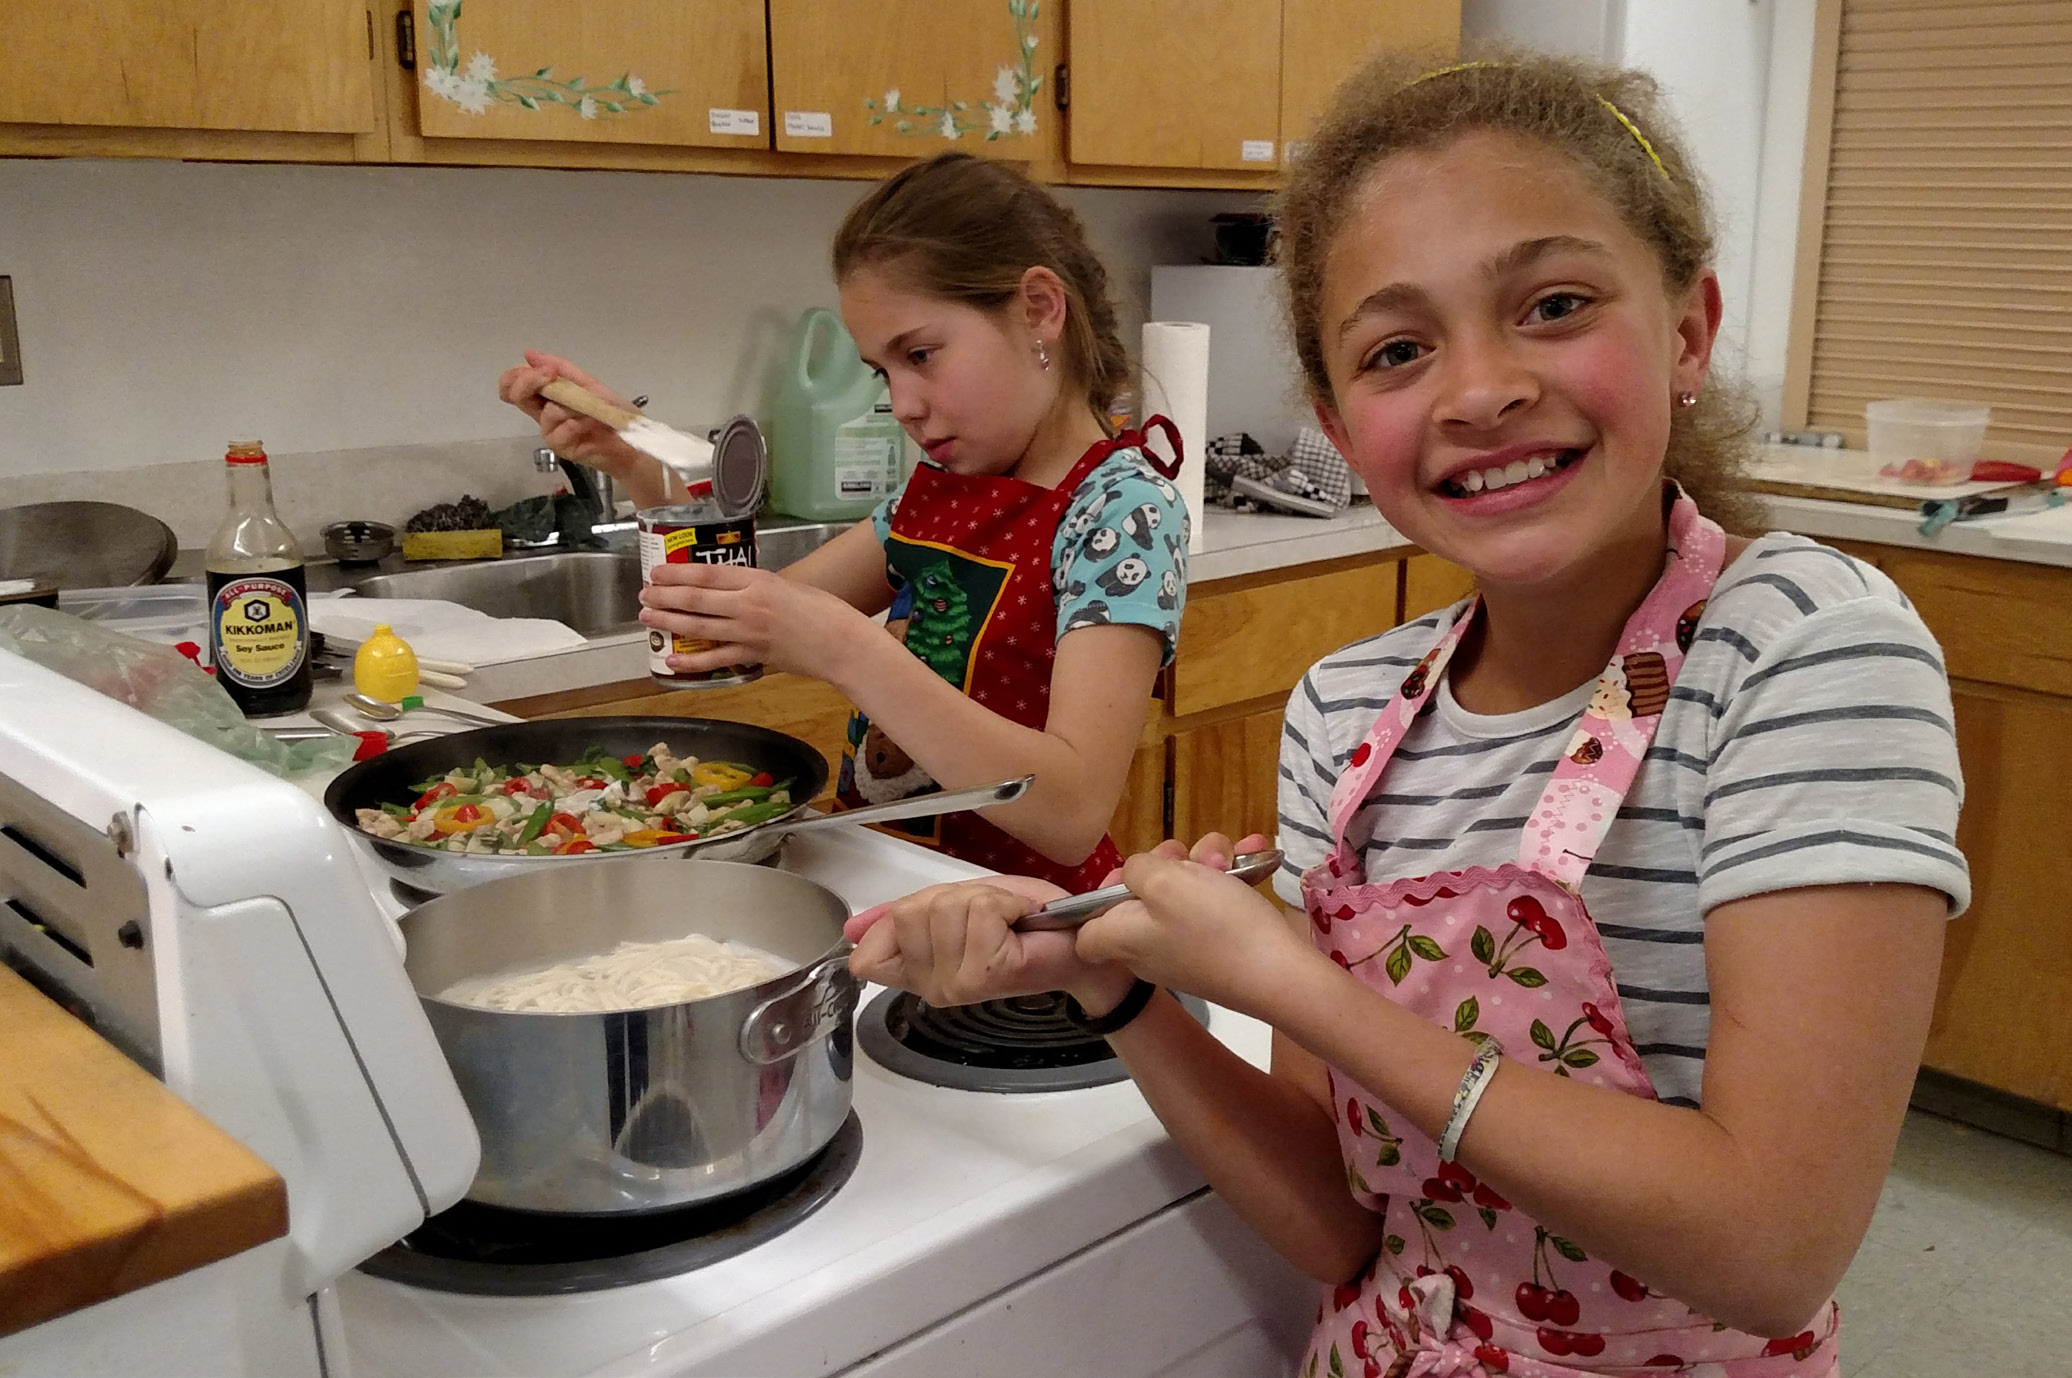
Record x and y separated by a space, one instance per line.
591 501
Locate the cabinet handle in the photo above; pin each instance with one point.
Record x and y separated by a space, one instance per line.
406 40
1061 87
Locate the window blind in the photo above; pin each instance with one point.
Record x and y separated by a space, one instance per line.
1943 221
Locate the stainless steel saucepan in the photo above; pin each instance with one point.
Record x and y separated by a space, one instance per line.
607 1114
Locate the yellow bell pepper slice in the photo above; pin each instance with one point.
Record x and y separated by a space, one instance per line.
463 818
720 774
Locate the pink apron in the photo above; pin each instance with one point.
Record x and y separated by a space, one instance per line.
1465 1284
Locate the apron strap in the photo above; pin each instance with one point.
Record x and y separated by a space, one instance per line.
1601 760
1141 438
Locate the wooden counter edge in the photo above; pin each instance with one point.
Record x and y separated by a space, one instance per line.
108 1181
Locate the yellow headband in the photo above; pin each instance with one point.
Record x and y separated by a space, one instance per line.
1617 113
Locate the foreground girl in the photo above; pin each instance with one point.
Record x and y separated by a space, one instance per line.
1034 569
1624 882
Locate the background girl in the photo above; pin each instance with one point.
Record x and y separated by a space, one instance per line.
1625 882
1034 568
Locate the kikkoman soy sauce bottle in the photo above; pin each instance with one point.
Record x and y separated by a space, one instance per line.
258 595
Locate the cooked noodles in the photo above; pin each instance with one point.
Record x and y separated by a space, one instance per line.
632 976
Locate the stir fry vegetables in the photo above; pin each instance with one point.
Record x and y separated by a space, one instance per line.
599 802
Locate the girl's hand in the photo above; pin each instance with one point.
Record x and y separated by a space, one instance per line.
956 945
756 617
561 430
1194 929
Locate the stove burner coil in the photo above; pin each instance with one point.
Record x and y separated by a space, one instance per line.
495 1251
1019 1044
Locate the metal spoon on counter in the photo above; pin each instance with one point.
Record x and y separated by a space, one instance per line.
375 710
1074 910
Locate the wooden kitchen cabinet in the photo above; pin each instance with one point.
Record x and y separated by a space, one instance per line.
1212 92
1176 83
1227 776
909 78
540 82
1256 635
1430 583
293 80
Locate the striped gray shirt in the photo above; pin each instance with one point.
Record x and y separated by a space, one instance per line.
1808 741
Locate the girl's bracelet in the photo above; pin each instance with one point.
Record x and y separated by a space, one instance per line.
1129 1008
1472 1084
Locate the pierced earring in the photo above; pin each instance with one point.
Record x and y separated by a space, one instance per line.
1043 356
1687 399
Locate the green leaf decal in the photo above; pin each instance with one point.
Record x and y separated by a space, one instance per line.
1398 964
1438 1217
1377 1123
1488 1216
1482 945
1426 948
1543 1035
1478 1038
1356 1181
1337 1364
1466 1013
1528 977
1394 1244
1579 1057
1390 1155
1567 1249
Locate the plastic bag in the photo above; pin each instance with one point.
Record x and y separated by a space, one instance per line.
159 681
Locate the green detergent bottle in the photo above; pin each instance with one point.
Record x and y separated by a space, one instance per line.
835 449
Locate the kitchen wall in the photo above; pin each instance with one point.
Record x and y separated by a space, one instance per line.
356 318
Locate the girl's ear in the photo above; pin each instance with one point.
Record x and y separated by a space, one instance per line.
1333 426
1042 304
1696 329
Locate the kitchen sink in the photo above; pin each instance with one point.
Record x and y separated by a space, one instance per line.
595 592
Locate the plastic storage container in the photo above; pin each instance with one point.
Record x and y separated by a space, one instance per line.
836 450
1925 440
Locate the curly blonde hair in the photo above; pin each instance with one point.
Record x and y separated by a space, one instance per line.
1610 122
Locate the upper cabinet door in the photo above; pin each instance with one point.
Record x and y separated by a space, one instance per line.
286 66
690 72
1324 41
908 78
1176 83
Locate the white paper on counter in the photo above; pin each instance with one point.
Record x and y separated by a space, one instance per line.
1176 385
439 630
2052 526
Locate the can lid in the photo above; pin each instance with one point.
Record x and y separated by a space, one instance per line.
740 467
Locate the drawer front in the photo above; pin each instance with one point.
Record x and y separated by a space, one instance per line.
2001 622
1246 643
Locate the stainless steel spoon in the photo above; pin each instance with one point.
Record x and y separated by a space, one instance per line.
377 711
1074 910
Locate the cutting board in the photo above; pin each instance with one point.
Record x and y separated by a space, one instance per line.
1845 476
2053 526
108 1181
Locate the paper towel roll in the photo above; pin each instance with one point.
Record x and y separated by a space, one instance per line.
1176 384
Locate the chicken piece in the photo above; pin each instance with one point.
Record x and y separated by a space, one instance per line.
379 824
665 760
423 828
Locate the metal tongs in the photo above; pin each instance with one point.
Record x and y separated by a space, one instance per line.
1074 910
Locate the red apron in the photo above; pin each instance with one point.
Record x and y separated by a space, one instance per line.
970 557
1466 1284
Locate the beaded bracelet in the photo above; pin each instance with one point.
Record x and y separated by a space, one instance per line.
1469 1093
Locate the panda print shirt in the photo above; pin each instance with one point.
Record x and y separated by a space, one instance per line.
1120 555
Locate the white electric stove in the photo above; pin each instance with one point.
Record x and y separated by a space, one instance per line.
1057 1232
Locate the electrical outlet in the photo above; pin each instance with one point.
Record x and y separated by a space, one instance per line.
10 339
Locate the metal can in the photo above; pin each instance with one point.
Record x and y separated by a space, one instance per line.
696 533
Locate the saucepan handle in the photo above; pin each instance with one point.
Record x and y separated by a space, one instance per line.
920 806
820 1002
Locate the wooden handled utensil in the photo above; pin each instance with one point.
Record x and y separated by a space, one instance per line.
584 402
689 455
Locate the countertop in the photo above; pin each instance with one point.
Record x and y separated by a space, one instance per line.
112 1181
1848 521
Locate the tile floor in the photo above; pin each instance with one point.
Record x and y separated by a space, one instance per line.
1967 1270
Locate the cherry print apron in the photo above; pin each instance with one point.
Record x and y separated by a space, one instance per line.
971 558
1465 1283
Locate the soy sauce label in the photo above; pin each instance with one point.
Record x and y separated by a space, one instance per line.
258 629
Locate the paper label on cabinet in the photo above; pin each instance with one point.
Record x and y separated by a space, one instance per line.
1296 148
1256 151
734 121
809 124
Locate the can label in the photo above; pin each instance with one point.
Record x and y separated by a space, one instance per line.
692 535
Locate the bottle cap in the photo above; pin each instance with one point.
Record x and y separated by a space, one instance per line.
245 452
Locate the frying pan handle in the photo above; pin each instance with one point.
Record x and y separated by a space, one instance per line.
786 1024
920 806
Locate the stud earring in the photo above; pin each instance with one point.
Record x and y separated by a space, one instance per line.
1687 399
1043 356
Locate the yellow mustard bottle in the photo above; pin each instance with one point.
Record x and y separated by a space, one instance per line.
385 667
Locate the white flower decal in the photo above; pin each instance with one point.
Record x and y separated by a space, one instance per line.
1011 111
480 87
